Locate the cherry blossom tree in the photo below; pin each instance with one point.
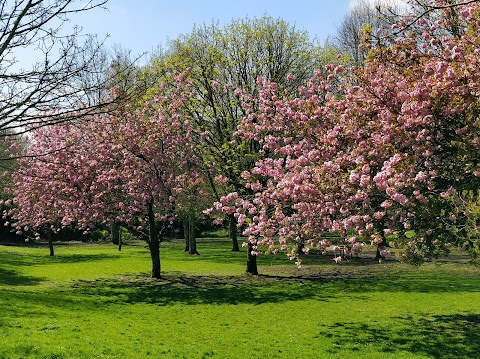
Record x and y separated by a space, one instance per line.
375 159
121 169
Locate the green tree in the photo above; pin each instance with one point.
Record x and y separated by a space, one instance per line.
225 64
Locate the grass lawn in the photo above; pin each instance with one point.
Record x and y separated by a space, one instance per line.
91 301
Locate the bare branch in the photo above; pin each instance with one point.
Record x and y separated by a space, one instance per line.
428 10
70 79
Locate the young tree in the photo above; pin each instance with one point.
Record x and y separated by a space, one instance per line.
192 196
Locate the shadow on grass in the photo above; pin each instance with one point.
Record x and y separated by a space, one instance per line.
367 277
12 277
328 286
420 283
441 336
11 262
91 295
192 290
18 260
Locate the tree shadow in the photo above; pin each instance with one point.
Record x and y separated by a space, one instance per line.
12 277
392 277
403 284
192 290
331 284
454 336
19 260
11 262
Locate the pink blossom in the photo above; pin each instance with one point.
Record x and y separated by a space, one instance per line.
421 176
221 179
386 204
338 69
354 177
218 221
385 253
377 240
208 211
357 248
378 215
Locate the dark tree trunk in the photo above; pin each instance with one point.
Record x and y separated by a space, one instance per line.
192 236
233 231
378 256
155 256
186 234
153 242
50 243
300 247
120 242
251 260
115 233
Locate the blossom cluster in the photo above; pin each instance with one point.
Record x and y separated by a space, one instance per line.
374 151
124 167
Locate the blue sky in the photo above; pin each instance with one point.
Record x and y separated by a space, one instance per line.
142 25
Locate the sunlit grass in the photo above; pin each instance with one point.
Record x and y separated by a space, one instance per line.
91 301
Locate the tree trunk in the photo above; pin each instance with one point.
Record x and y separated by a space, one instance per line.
186 233
50 243
233 230
378 256
115 233
153 242
192 236
154 245
251 260
300 247
120 240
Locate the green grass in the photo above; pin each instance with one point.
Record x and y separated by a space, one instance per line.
91 301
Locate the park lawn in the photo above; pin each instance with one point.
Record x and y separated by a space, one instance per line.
91 301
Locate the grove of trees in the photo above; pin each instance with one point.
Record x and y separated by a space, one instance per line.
286 139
